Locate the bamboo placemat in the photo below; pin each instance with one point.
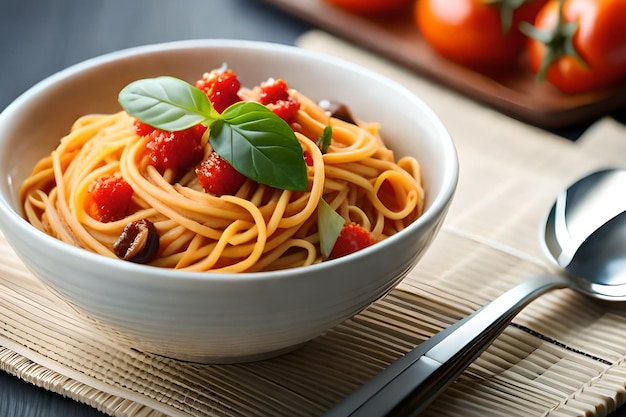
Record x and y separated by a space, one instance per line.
564 355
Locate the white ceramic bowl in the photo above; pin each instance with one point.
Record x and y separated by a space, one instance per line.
219 318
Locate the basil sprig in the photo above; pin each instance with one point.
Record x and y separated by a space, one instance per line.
330 224
254 140
323 142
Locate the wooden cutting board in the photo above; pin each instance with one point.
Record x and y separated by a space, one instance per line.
515 92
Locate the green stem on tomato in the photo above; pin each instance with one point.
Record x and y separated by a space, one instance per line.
559 41
507 9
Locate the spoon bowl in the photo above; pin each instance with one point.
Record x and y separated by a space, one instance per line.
584 234
602 257
580 210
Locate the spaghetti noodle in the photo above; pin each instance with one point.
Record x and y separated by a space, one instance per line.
257 228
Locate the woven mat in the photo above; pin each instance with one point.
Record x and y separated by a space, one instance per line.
564 355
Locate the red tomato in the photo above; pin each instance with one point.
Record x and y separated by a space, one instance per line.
218 177
475 33
599 40
353 237
370 6
108 198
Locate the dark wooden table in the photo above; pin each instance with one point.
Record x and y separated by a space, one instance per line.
38 38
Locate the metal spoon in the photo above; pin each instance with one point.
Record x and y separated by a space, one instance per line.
585 233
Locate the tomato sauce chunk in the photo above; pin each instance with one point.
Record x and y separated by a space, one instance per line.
275 95
352 238
108 198
218 177
142 128
221 87
178 150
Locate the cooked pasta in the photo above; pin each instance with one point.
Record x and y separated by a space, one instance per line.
257 228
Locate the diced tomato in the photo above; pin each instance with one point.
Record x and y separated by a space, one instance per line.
175 150
218 177
272 92
286 109
108 199
275 95
221 87
353 237
143 129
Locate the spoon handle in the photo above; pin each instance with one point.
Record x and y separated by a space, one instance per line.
412 382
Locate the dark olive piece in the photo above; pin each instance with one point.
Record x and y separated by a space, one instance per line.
138 242
337 110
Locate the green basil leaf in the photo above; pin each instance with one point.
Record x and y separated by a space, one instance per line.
329 223
324 140
167 103
260 145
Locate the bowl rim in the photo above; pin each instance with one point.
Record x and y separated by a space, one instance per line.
438 206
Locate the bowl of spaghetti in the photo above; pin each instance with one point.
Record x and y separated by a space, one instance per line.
221 201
